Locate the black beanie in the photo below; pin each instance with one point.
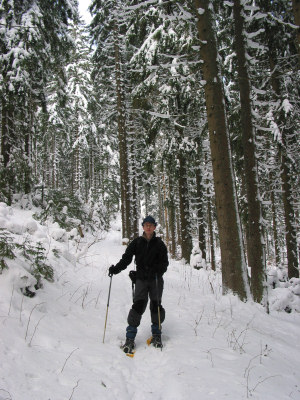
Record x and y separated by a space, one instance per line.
149 219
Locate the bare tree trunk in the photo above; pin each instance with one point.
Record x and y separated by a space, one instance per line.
147 194
289 213
165 208
135 207
289 216
73 173
92 183
124 174
184 202
6 131
178 225
160 199
28 147
172 218
234 272
210 229
200 215
186 244
134 201
6 140
275 234
76 155
255 250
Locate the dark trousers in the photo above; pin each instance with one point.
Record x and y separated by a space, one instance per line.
143 290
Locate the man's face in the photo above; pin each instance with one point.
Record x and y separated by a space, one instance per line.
149 228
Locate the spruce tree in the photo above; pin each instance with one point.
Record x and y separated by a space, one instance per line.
33 39
234 272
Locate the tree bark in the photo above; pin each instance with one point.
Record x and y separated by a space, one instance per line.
165 209
211 233
135 208
234 274
255 249
6 129
7 138
186 243
275 233
172 218
200 214
134 200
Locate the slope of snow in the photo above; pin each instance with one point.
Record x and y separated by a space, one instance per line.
215 347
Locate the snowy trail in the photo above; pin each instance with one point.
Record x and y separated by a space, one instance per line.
215 347
206 349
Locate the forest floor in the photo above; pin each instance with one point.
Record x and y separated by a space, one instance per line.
215 346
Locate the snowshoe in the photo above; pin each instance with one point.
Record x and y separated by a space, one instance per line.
129 347
155 340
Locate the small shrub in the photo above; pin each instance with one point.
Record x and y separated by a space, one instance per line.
37 257
39 267
67 210
6 248
56 253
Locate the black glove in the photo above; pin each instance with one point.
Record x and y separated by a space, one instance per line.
113 270
132 276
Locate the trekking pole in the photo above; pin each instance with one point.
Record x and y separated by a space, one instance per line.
158 307
107 307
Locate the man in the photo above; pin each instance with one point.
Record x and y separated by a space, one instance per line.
151 258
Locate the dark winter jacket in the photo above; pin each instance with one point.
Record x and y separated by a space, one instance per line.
151 257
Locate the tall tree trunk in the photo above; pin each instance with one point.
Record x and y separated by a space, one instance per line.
122 135
234 271
275 233
200 214
211 232
161 217
184 202
77 161
210 222
7 138
289 213
255 250
6 131
165 209
186 243
27 147
92 183
135 206
172 218
178 223
147 195
134 201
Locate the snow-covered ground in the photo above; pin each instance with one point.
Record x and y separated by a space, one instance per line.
215 347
